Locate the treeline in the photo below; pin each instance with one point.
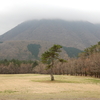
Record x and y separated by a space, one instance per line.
87 64
16 66
79 67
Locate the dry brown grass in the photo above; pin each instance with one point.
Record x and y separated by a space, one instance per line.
32 87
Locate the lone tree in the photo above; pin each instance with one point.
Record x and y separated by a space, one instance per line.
50 56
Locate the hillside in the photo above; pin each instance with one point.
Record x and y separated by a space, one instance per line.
76 34
29 50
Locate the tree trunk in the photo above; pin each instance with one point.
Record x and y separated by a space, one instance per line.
51 74
52 77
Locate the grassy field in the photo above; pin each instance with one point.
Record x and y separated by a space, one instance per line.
39 87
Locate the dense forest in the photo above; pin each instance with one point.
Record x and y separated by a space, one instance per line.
34 49
16 66
87 64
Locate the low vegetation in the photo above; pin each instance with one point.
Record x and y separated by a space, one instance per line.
39 87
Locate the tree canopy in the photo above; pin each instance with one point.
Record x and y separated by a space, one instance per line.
50 56
90 50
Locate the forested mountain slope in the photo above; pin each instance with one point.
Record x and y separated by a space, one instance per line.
76 34
30 50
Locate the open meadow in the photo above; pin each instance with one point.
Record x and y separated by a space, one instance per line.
39 87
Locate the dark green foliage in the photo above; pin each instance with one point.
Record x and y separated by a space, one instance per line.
1 42
34 49
90 50
5 62
62 60
34 64
18 62
51 54
99 43
72 52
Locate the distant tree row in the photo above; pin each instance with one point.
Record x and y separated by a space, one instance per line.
91 50
79 67
16 66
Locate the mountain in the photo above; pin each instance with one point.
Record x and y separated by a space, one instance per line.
30 50
30 39
77 34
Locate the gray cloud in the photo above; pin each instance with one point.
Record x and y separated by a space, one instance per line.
18 13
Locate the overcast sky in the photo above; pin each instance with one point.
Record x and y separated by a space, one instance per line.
13 12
